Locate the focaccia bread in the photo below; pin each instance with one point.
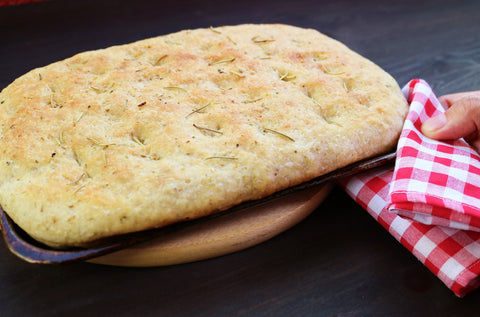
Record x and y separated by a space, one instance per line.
176 127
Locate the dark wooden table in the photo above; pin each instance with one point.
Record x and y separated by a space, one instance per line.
339 261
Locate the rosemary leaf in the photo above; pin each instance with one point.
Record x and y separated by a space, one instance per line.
222 157
287 77
98 143
207 129
136 139
253 100
175 88
329 72
237 73
227 60
214 30
279 134
258 39
197 110
160 59
78 189
315 101
77 179
80 116
104 158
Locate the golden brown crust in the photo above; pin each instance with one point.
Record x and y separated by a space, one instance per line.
176 127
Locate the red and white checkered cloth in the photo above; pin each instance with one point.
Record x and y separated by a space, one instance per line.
430 201
434 182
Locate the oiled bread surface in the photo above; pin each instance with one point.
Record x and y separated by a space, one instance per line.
183 125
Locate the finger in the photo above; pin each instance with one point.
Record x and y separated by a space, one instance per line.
444 101
448 100
462 119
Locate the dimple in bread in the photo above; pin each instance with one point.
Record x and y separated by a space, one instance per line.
176 127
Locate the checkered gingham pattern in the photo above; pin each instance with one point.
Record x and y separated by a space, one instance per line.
428 202
434 182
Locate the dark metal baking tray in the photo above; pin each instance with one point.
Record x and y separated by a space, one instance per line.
30 250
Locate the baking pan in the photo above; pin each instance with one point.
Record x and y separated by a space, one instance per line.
30 250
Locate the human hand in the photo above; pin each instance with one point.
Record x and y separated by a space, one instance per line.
460 120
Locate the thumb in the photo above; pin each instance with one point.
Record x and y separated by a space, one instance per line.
461 120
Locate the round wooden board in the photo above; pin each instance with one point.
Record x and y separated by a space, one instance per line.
221 235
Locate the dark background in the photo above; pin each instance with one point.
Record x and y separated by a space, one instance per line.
339 261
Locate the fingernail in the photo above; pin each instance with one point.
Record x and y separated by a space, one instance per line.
435 123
